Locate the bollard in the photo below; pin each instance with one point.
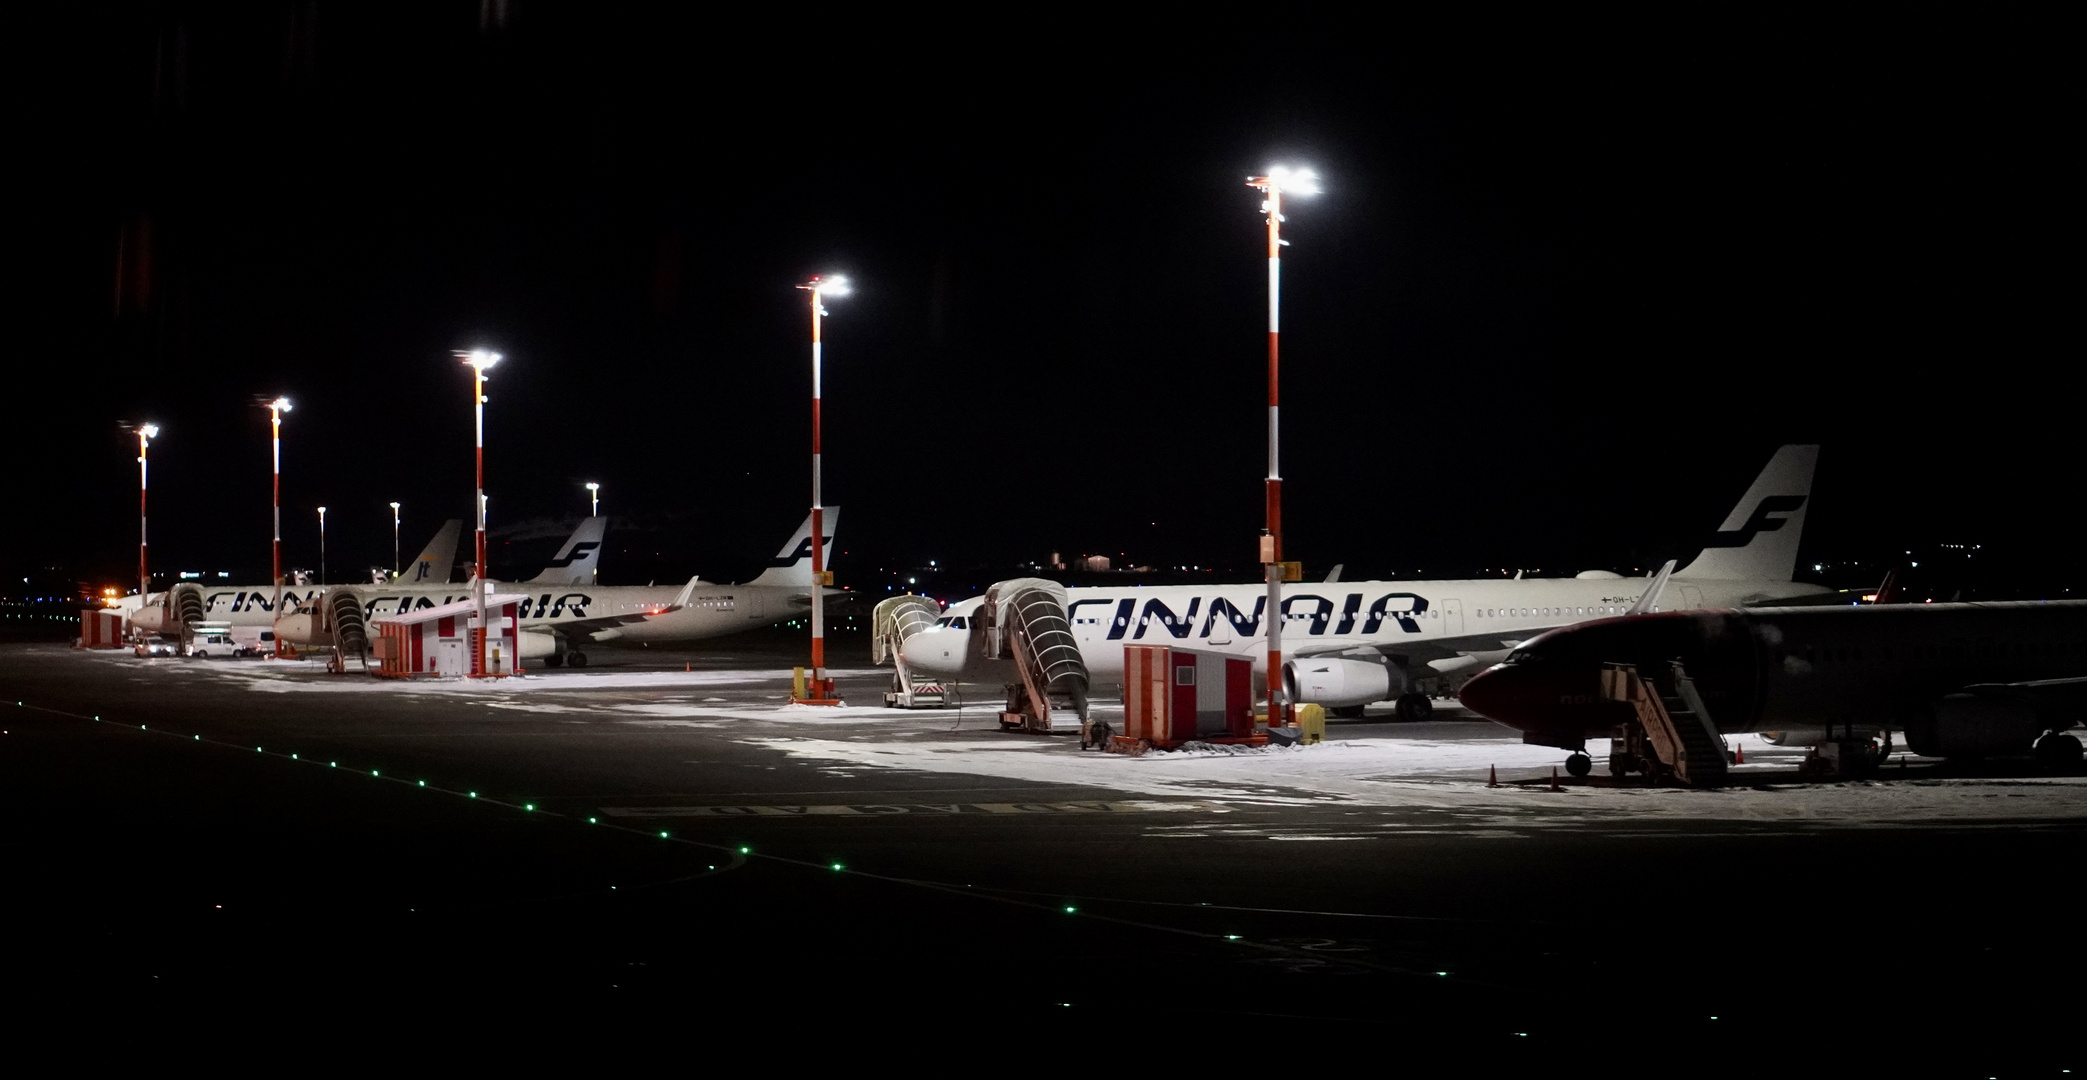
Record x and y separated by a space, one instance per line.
1492 776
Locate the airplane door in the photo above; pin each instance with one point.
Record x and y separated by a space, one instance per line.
1452 618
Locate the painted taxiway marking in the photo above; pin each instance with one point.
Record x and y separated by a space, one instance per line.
916 809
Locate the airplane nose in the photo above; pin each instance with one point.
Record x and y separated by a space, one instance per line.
938 652
1507 694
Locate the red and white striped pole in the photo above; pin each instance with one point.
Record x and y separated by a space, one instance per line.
1301 182
276 409
820 692
146 433
479 360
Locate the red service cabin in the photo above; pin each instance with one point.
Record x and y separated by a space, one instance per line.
438 640
1171 696
101 628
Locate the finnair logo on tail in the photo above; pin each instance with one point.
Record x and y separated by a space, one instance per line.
1760 522
803 552
579 551
423 569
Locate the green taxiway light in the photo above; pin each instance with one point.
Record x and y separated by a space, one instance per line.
591 821
746 851
836 866
333 764
257 749
293 757
528 806
1444 974
1231 937
141 727
474 794
423 783
373 772
663 836
199 738
1068 909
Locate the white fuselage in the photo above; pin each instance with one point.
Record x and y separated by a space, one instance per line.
1322 615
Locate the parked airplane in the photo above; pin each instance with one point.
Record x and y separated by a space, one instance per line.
1961 680
254 605
559 623
1352 643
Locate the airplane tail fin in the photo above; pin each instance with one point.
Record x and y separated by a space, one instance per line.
577 560
792 566
1758 541
434 563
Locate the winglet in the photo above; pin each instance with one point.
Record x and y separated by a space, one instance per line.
681 599
1649 602
1335 573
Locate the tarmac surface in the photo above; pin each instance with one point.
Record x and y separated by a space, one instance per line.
660 836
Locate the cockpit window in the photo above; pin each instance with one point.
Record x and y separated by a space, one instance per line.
943 621
1518 654
958 622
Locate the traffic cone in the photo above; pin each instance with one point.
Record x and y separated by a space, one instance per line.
1554 779
1739 754
1492 776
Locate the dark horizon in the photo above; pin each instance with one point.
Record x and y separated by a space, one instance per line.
1555 308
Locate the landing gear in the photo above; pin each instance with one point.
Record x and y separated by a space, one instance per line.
1414 708
2057 750
554 660
1579 764
576 659
1345 712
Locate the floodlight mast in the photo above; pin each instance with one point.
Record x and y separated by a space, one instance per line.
146 433
276 409
322 546
478 360
1300 182
395 542
820 690
594 510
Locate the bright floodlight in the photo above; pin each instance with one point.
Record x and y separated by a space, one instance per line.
594 487
281 404
837 285
150 431
479 358
394 506
1294 181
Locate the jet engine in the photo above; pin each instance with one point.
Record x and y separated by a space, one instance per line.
1340 681
537 644
1973 725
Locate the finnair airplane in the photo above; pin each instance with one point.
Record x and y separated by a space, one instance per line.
254 605
568 615
1348 644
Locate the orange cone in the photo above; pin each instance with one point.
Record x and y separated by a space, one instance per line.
1492 776
1739 754
1554 779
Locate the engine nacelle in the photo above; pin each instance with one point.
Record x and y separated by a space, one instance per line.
1336 681
537 644
1970 725
1817 736
297 628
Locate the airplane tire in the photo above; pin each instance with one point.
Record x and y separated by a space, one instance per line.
1579 764
1415 708
1345 712
553 660
576 659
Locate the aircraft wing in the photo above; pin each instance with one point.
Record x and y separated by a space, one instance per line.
2041 692
1444 654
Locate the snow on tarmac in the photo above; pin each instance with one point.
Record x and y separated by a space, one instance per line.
1450 775
1440 766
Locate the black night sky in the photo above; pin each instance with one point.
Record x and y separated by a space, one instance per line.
1567 289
